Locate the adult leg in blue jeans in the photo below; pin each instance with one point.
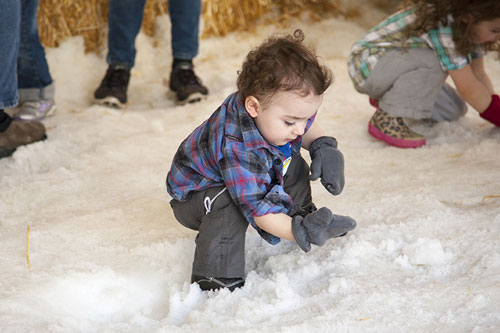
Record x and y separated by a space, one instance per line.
125 19
13 133
36 87
185 18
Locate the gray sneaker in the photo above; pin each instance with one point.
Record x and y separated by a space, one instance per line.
35 110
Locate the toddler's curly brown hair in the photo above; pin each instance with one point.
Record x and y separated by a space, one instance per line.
282 63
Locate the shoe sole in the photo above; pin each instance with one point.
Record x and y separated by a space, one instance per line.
110 101
215 284
400 143
193 98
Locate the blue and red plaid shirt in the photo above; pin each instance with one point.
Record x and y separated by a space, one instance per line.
228 150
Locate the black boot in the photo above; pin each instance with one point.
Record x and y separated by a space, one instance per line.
112 91
211 283
184 82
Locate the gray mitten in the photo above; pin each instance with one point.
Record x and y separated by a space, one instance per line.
319 226
327 162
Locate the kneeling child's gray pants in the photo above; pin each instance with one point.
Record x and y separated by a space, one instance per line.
412 84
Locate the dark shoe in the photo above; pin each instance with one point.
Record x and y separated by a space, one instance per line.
113 89
186 85
393 131
20 133
211 283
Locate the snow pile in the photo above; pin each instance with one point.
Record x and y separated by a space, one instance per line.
107 254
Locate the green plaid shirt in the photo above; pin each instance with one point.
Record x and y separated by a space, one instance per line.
388 35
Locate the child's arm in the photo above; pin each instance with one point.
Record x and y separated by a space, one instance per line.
314 132
473 85
478 69
279 225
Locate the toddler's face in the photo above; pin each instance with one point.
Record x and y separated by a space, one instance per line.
486 31
285 116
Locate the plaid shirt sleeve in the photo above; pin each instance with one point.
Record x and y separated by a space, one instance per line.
247 178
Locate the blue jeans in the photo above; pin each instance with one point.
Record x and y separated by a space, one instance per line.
32 68
125 19
10 19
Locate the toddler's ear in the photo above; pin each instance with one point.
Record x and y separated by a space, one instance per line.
252 106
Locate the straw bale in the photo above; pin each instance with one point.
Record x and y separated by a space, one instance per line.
59 19
153 9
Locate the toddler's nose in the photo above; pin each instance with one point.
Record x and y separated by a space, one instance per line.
298 130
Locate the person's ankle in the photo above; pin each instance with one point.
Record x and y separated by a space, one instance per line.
120 65
182 63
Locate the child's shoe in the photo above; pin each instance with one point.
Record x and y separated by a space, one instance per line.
186 85
211 283
112 91
35 110
393 131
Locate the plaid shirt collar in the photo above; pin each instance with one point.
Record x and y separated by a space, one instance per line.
250 133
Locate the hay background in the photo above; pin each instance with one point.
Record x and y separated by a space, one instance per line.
59 19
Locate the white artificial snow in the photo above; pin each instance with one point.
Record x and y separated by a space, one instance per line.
107 254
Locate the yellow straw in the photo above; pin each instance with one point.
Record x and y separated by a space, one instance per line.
28 249
486 197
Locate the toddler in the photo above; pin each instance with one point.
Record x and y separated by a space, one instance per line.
243 165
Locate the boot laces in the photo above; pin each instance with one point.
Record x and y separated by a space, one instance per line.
118 78
187 77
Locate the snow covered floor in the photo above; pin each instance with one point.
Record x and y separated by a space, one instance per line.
107 255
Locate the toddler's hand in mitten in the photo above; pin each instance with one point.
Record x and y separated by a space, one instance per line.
327 162
319 226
